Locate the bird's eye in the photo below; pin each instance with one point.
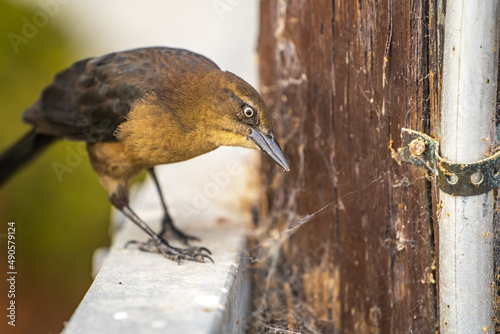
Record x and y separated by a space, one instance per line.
248 111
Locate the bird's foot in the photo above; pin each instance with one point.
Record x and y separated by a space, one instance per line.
172 231
173 253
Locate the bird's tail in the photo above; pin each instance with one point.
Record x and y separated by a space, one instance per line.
22 152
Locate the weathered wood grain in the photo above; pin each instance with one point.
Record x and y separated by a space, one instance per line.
343 78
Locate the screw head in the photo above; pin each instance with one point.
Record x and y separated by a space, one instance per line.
417 146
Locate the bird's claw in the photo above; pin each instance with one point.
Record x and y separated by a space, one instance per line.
169 228
185 238
173 253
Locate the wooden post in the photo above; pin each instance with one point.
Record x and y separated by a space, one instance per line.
342 79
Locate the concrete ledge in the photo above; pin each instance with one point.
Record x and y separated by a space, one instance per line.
138 292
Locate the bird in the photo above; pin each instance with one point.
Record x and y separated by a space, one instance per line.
140 108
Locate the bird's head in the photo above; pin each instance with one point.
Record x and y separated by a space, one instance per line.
239 117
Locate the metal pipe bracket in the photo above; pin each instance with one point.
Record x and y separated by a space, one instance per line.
458 179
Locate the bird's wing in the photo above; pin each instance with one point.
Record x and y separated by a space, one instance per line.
91 98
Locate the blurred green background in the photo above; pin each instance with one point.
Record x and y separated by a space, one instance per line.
58 224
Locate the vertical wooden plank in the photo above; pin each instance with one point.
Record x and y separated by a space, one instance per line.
343 77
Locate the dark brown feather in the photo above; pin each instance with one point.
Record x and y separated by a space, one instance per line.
92 98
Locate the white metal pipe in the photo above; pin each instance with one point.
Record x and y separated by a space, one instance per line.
467 130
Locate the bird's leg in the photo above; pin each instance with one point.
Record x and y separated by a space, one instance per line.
167 223
118 196
158 245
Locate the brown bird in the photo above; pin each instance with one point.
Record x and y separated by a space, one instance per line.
141 108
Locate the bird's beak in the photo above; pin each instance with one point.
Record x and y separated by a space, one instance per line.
270 147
